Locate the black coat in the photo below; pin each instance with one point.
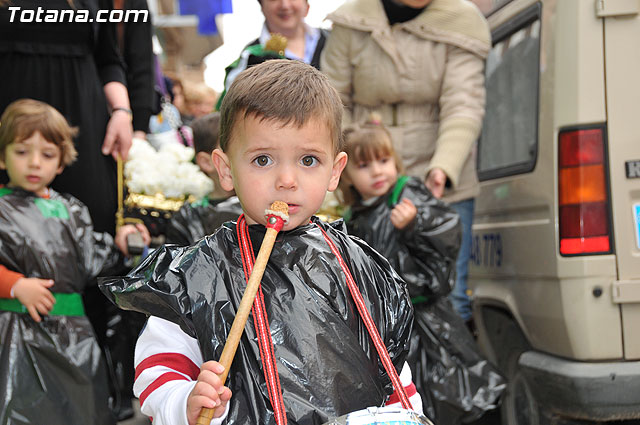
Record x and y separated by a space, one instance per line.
66 65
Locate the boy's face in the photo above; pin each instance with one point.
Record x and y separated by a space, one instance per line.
372 178
201 107
266 162
32 163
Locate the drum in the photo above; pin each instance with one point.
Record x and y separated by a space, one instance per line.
381 415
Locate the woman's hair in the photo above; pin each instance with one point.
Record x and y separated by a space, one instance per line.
365 142
24 117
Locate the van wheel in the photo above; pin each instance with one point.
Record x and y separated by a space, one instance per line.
519 406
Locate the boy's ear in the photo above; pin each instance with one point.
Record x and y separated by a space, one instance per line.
345 179
223 165
338 165
205 162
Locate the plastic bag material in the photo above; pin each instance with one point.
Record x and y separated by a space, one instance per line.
52 372
195 220
425 252
456 381
381 415
326 362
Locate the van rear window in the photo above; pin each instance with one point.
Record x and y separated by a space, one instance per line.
508 142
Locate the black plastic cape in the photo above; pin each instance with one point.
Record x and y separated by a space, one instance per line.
52 372
198 219
456 382
326 362
424 253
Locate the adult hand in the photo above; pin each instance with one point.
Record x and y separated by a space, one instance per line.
34 294
209 392
403 213
435 182
140 135
117 139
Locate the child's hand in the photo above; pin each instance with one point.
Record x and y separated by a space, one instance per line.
128 229
34 294
403 213
209 392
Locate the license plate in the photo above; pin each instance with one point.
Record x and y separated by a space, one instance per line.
636 217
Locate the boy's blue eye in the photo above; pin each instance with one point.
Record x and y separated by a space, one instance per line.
262 160
309 161
362 164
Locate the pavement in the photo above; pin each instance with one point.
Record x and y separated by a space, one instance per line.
138 418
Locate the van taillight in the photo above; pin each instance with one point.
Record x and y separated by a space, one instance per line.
583 193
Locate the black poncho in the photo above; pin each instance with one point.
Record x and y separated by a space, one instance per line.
198 219
52 372
455 380
326 362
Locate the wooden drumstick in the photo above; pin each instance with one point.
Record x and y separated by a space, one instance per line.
277 216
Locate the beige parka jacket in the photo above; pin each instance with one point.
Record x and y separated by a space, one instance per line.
425 77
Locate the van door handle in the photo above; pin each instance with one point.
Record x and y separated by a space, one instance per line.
626 291
611 8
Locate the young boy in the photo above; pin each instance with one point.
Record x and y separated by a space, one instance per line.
306 355
52 370
195 220
199 100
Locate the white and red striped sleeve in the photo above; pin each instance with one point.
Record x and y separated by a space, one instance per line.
407 382
167 364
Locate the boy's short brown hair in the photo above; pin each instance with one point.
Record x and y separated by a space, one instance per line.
23 117
282 90
206 132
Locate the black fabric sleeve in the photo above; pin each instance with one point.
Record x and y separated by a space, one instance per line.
138 57
105 54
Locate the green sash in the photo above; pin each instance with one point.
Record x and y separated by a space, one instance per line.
397 190
66 305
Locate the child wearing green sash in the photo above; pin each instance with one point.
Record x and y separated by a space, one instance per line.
53 371
420 236
395 214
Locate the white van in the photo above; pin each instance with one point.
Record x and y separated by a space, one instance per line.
555 267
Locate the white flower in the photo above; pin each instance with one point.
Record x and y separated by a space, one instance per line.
181 152
140 148
168 171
